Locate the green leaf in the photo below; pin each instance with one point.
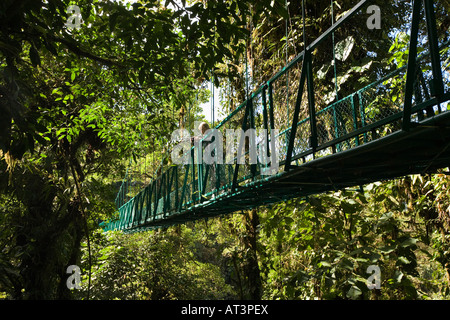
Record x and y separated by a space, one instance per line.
325 264
404 260
349 207
409 242
387 249
34 57
113 20
56 91
142 75
354 292
281 10
344 48
398 275
322 72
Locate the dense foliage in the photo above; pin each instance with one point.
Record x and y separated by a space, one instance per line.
77 104
327 243
315 248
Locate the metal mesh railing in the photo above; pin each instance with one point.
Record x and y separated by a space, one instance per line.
336 120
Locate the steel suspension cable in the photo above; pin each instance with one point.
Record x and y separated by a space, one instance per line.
334 51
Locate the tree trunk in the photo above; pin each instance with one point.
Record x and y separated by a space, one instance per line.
253 275
49 234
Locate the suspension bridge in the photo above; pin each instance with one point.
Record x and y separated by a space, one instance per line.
374 133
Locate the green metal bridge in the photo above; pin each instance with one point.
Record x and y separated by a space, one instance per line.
377 132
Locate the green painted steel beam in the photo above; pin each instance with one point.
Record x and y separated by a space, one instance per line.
298 103
411 66
437 84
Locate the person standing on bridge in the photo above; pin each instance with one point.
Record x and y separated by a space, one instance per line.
202 128
205 138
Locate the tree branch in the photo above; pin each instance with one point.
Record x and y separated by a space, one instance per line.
73 47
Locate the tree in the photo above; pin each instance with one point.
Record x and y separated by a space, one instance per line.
155 265
73 104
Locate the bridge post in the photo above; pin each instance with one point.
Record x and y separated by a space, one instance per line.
177 187
200 170
355 116
194 185
148 201
265 117
169 183
311 102
436 85
183 190
253 166
159 182
271 117
362 112
411 68
298 102
244 128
